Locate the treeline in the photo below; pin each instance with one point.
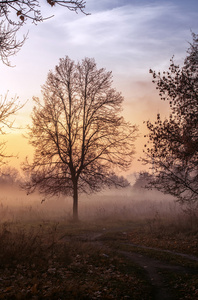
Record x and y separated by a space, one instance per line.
10 176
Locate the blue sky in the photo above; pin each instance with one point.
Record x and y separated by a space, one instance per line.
127 37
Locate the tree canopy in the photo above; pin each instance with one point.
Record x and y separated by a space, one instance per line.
79 135
172 148
15 14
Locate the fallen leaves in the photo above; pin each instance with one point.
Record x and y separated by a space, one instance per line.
37 264
175 241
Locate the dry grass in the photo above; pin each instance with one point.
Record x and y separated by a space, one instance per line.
39 261
43 255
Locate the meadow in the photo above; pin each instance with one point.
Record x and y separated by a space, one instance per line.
127 245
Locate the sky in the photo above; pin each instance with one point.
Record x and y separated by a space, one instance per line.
127 37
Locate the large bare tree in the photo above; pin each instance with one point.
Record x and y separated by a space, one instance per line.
79 136
14 14
172 148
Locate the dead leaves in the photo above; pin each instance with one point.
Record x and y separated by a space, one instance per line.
75 267
92 273
178 241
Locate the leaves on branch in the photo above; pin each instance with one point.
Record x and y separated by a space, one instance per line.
173 150
52 3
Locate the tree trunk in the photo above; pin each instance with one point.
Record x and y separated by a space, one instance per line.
75 201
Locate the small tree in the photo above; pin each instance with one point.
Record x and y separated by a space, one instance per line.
172 148
15 14
78 133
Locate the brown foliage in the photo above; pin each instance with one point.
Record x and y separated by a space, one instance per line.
172 146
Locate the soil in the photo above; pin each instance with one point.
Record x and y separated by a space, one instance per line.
153 268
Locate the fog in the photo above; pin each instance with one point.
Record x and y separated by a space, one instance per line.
119 204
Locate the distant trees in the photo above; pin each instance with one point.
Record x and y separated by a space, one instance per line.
14 14
79 136
142 180
172 148
8 108
9 176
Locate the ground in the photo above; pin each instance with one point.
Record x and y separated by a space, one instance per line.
107 259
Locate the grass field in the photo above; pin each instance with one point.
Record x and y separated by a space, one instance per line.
121 250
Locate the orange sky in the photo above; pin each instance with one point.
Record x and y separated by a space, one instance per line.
151 104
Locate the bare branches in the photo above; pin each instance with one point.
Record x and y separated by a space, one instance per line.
31 9
14 15
78 133
8 108
9 46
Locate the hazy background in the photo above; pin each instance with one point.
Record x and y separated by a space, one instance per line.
131 203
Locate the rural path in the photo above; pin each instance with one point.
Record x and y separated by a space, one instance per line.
153 268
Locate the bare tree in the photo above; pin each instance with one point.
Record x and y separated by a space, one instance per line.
8 108
172 148
15 13
79 136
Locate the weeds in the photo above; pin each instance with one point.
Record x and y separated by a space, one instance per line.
44 255
36 262
33 246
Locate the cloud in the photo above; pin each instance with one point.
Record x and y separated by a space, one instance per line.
124 37
129 36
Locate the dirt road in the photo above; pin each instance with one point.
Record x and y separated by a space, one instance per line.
155 269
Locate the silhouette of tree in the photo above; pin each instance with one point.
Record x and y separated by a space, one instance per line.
15 14
78 133
8 107
172 148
